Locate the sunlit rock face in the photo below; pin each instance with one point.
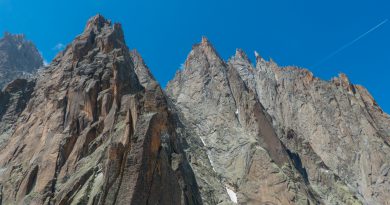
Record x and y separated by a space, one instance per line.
19 58
268 129
95 127
335 130
245 161
90 133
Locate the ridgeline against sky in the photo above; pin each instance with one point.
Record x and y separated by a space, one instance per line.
298 33
95 127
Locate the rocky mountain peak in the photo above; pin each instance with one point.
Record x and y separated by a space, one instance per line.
205 41
244 66
95 127
103 138
264 66
343 78
343 81
97 22
99 34
260 61
19 58
16 46
242 56
204 52
15 38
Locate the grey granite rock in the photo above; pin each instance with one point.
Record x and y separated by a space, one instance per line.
335 129
19 58
334 138
241 145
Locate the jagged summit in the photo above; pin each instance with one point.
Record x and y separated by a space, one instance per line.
94 127
205 52
98 21
259 58
91 134
242 56
15 37
327 128
99 34
205 41
19 58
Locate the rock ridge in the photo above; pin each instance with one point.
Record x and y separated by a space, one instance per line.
95 127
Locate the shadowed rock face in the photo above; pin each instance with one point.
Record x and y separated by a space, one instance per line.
19 58
13 100
92 134
95 127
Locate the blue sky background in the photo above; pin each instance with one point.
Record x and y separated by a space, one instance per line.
300 32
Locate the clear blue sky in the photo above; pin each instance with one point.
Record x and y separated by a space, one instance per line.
300 32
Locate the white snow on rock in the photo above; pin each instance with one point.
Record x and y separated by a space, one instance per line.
232 195
211 161
204 144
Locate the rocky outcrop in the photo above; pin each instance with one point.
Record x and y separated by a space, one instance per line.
19 58
243 151
141 69
95 127
92 134
13 100
334 138
336 129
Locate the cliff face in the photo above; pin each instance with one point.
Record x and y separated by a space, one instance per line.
92 134
335 128
243 150
19 58
95 127
267 129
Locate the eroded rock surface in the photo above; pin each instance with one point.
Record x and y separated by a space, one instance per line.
334 138
334 129
95 127
92 134
19 58
242 147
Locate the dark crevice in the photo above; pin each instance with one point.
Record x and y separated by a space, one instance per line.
64 109
291 134
298 164
4 100
32 179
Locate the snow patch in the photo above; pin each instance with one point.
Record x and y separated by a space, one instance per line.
204 144
232 195
237 112
211 161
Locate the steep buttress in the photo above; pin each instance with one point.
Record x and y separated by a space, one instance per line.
92 134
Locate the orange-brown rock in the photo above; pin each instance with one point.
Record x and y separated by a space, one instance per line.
88 132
